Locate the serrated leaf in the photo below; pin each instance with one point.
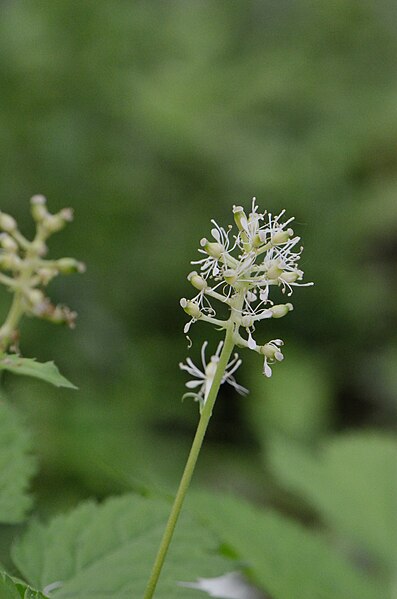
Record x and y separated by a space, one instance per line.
12 589
352 483
16 466
107 551
287 560
45 371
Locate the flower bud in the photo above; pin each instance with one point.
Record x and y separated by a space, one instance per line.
282 236
190 308
7 223
38 208
10 262
197 281
56 222
281 310
271 351
66 214
53 223
240 218
68 266
8 243
213 249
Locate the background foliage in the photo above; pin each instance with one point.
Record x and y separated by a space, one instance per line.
150 118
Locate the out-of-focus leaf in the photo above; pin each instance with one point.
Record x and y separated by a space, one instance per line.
352 483
16 466
285 559
295 401
107 551
45 371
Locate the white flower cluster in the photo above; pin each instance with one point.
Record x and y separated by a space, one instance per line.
239 271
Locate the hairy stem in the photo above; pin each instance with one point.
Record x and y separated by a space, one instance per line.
191 462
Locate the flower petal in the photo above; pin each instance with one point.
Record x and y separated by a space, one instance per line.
193 384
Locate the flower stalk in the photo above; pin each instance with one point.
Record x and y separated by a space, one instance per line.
191 461
238 273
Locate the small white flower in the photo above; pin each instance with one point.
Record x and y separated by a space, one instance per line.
250 228
203 379
276 232
211 265
272 353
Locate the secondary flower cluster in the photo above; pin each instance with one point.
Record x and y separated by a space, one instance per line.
26 271
239 270
202 379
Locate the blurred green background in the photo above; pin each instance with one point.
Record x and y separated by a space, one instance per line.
149 119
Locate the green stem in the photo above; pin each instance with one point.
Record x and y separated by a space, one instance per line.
191 462
11 322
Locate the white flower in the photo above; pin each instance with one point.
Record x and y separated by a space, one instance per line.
203 379
249 234
241 275
272 353
210 266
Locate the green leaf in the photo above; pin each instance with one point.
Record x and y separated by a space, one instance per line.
107 551
8 589
352 483
13 589
16 466
287 560
45 371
